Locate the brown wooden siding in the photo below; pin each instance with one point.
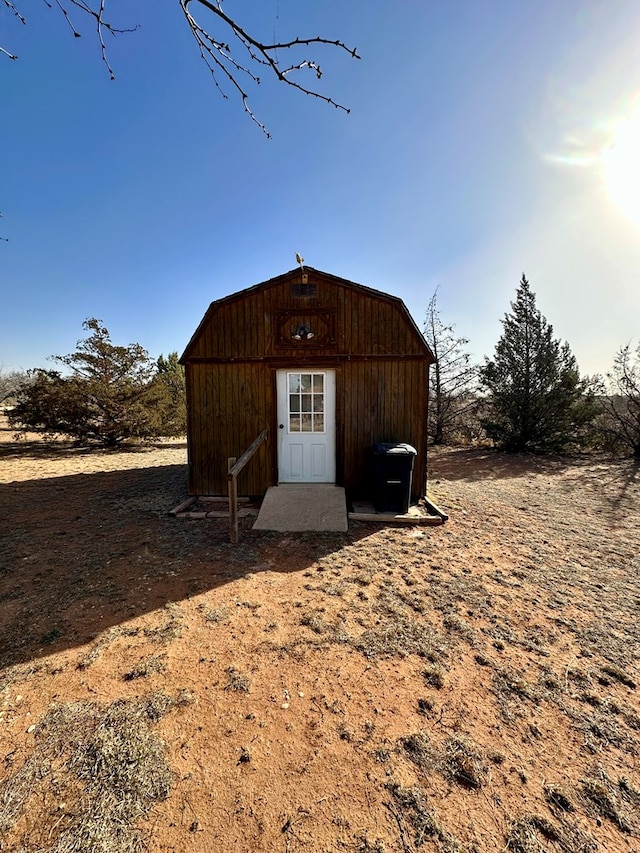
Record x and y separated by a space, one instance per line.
244 326
390 406
233 406
381 363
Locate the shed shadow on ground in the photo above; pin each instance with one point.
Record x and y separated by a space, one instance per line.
82 553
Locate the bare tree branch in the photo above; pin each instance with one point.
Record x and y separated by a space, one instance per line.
220 54
620 400
452 379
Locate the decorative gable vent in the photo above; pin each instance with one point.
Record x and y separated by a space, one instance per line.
300 289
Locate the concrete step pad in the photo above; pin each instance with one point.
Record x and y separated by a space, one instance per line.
297 507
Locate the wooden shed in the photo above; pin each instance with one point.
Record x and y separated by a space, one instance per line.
328 366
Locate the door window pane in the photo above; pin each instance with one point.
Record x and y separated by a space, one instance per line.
294 383
306 402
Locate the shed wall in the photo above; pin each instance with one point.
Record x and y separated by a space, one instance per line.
381 362
228 407
257 324
387 391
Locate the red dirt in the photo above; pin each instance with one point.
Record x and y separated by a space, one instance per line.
508 637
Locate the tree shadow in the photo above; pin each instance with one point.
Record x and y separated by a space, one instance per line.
617 480
473 464
38 448
82 553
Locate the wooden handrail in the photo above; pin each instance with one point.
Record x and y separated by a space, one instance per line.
235 467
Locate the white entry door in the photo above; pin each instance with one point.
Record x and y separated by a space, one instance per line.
306 426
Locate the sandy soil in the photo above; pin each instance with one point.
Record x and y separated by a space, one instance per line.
468 687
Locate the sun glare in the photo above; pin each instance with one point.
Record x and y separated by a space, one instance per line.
622 168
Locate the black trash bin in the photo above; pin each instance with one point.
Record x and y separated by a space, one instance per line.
392 471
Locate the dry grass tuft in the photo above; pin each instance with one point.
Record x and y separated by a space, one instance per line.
619 675
558 797
150 666
103 642
410 806
434 676
214 615
507 682
464 762
417 748
400 637
609 800
316 622
366 846
523 838
237 681
109 769
526 833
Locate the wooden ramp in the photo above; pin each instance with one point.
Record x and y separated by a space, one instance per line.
295 508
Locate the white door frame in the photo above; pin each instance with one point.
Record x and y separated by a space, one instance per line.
306 411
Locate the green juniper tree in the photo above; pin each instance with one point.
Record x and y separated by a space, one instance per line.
109 394
536 398
170 386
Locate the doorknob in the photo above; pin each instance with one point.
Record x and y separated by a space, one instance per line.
281 426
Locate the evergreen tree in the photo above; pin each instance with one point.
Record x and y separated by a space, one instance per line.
170 386
109 395
537 400
451 379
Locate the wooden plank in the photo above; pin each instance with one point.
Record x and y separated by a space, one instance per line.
182 506
242 513
388 518
233 501
236 467
434 508
363 511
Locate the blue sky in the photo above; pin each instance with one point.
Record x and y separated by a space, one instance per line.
486 138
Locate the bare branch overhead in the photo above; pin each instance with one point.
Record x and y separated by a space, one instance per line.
233 55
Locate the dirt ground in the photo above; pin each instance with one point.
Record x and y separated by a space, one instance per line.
469 687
